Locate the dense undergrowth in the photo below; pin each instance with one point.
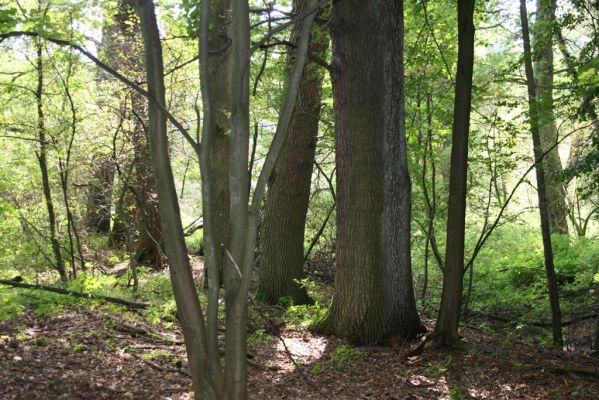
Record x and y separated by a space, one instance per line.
508 282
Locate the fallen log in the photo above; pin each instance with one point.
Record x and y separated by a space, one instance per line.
53 289
541 324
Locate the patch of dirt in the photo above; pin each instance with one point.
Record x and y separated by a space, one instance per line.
94 355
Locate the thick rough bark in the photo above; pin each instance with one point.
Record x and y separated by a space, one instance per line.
218 64
360 310
397 213
43 163
282 228
535 122
544 32
99 203
126 51
446 328
186 296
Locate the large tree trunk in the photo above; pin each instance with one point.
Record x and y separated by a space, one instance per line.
360 311
43 163
446 329
544 32
186 297
396 222
535 123
125 48
282 228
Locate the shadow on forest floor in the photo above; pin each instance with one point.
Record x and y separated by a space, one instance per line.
96 355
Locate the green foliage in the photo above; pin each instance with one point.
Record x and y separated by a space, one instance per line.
343 355
13 302
307 315
195 242
161 355
511 267
260 336
456 394
316 369
436 370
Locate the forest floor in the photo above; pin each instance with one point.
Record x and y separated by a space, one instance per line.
96 354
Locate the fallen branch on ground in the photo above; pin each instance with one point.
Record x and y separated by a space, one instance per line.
541 324
73 293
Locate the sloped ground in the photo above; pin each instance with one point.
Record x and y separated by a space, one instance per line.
95 355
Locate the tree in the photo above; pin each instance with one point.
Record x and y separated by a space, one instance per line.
99 204
282 228
446 328
123 42
188 304
363 309
397 215
535 122
218 71
544 33
206 376
43 161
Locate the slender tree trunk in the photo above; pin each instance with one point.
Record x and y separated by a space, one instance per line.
244 220
397 214
533 105
64 166
446 329
238 268
361 309
186 296
544 32
43 163
282 228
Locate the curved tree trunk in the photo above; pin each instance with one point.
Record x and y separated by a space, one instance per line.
188 305
282 228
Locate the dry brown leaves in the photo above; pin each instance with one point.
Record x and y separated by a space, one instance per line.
90 355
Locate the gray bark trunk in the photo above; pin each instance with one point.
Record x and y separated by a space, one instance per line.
535 122
244 221
360 310
188 304
214 45
544 29
396 218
